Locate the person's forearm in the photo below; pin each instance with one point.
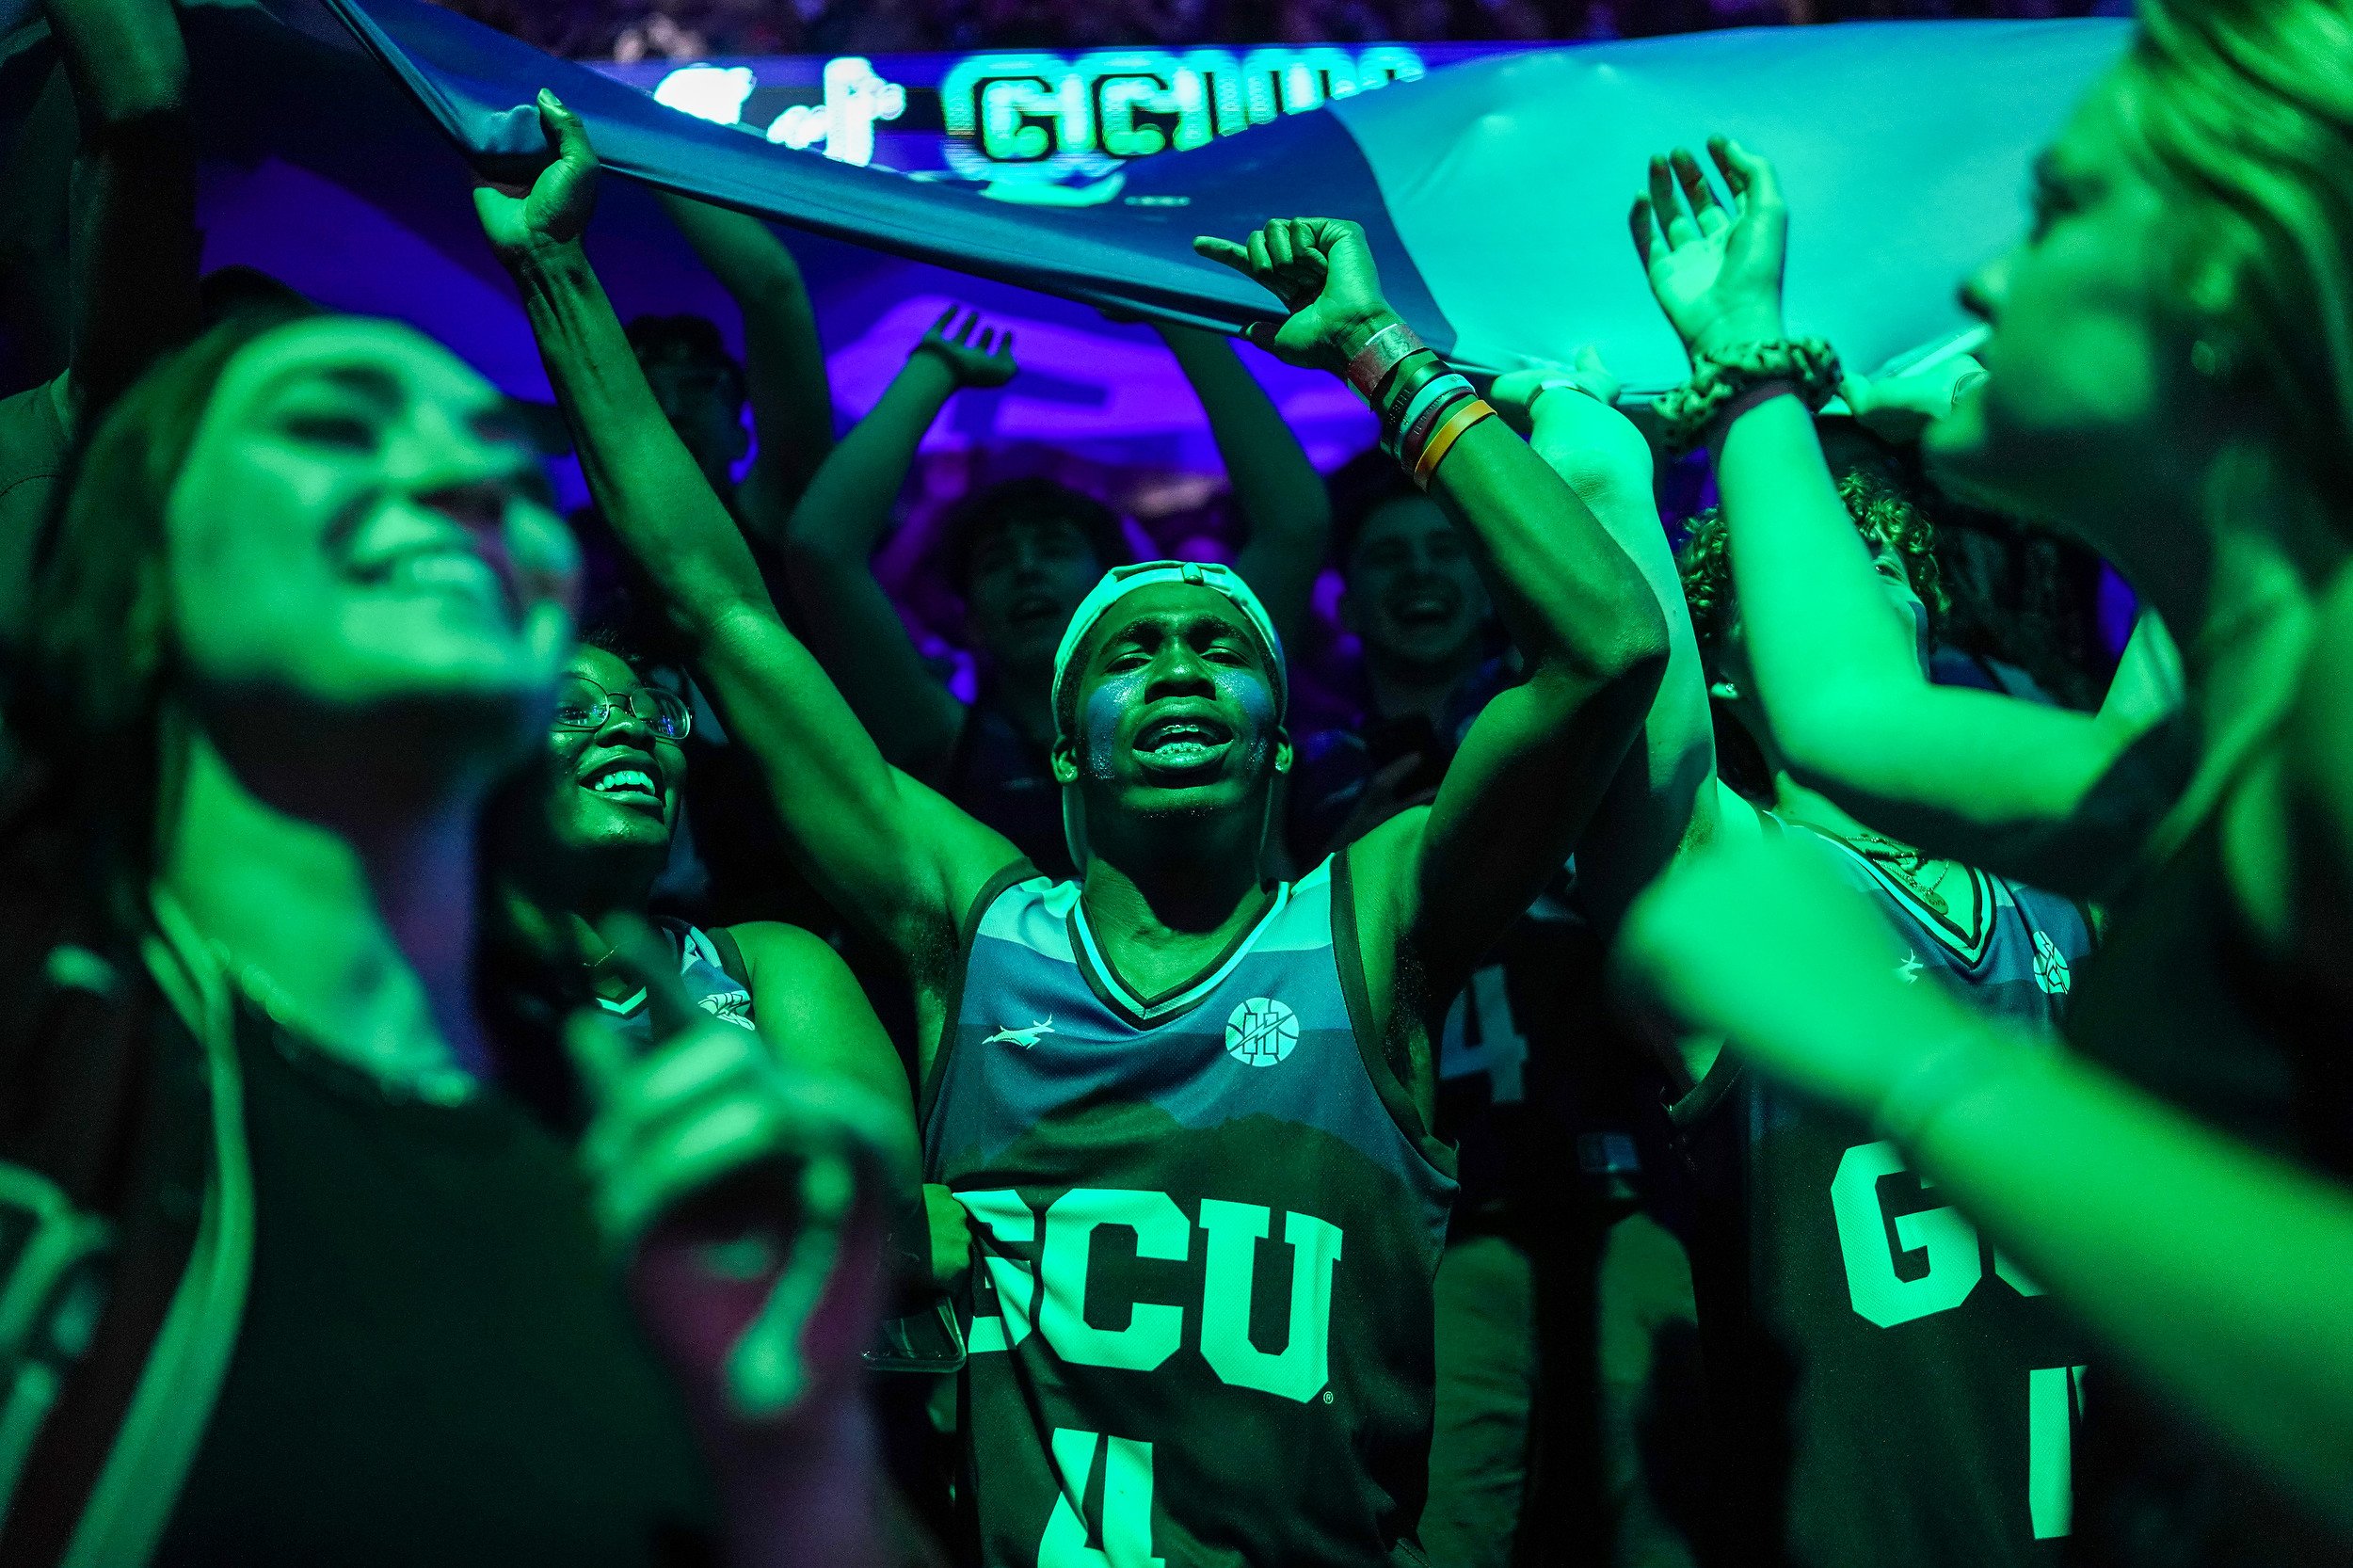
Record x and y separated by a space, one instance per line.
1648 813
643 477
135 243
1964 771
2225 1277
125 58
1814 611
846 510
784 359
1570 598
1284 505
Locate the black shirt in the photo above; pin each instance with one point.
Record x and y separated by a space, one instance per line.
435 1364
1889 1390
2182 1003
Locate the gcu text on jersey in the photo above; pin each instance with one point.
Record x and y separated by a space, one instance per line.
1206 1224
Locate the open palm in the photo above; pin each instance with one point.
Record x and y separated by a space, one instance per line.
977 356
1715 267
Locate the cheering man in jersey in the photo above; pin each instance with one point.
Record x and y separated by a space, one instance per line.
1187 1107
1889 1391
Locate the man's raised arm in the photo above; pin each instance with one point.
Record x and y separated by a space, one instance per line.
1537 760
891 854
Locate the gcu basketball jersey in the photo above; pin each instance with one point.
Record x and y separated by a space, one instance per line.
1205 1222
711 980
1899 1393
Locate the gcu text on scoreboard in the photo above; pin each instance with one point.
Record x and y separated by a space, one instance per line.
1026 118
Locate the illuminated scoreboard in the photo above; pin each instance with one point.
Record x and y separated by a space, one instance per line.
1010 120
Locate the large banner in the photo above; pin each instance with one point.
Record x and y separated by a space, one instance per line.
1494 191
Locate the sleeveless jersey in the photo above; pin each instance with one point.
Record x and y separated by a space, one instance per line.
1899 1394
1205 1222
702 971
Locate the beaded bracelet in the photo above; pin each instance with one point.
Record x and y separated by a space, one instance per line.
1434 453
1438 395
1808 364
1371 366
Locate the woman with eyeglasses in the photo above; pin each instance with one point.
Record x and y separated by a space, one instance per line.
616 774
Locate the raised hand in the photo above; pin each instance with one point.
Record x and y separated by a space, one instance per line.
1321 269
1515 392
1898 407
747 1198
1714 267
976 357
556 207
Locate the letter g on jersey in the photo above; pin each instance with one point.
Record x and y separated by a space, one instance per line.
1261 1031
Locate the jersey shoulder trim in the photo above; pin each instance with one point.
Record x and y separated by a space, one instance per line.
1348 958
1020 874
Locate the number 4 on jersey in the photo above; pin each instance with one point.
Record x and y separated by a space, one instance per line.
1481 1035
1127 1534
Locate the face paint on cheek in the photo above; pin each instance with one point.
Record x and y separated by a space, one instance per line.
1248 691
1099 723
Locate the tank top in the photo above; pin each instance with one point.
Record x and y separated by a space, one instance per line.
436 1362
710 968
1207 1223
1894 1392
2185 1004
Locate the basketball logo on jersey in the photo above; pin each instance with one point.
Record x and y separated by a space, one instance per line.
2050 967
1261 1031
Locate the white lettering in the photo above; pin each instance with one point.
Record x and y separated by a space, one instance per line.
1154 1330
1950 1242
1126 1504
1304 1365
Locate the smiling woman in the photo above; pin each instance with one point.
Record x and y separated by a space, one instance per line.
304 607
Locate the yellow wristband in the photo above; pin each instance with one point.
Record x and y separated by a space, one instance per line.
1442 439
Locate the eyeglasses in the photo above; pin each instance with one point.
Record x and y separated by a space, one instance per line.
582 704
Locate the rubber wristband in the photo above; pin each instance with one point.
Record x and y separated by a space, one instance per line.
1411 441
1410 378
1429 404
1448 433
1369 367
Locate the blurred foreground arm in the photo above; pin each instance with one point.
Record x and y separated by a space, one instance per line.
2223 1276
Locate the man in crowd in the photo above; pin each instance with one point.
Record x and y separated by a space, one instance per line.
1111 1054
1021 553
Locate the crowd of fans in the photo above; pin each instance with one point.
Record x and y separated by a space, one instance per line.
694 29
1665 984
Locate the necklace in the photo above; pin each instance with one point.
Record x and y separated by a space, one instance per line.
1908 866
